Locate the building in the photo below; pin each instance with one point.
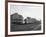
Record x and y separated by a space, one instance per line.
16 18
30 20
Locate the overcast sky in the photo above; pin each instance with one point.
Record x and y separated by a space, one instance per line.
27 11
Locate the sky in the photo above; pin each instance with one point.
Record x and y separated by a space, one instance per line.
27 10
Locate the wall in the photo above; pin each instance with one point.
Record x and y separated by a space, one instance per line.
2 19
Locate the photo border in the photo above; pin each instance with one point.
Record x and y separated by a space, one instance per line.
6 17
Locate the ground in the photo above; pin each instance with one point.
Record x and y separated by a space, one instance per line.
25 27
